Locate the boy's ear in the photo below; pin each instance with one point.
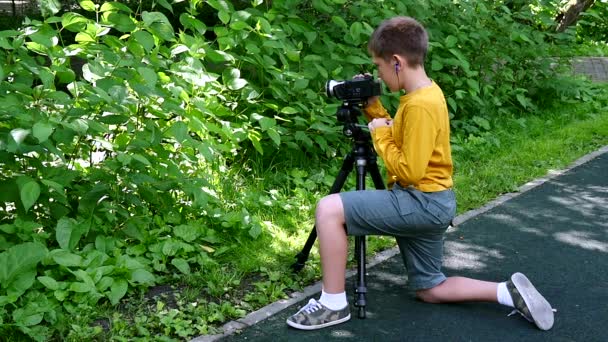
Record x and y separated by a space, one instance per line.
397 63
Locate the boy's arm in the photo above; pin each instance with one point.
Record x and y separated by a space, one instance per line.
375 110
409 162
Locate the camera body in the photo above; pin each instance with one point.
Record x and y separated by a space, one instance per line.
356 90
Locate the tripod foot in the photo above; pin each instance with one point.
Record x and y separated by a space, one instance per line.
361 312
300 262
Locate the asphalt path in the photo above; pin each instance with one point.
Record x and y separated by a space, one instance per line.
556 233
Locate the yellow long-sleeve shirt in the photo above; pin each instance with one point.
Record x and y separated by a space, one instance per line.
416 148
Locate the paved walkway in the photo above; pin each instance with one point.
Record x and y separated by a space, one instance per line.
596 68
555 231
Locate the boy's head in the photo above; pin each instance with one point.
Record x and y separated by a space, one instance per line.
402 36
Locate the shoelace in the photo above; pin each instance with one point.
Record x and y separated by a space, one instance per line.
311 307
515 311
519 312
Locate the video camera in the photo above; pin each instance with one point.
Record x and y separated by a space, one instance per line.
355 90
353 94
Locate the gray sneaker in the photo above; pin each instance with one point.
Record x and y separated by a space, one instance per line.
529 302
315 315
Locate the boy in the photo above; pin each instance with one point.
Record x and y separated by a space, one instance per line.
415 147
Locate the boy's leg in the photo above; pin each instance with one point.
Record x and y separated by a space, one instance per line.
517 292
332 308
333 243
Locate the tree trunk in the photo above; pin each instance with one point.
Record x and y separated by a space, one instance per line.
13 7
571 13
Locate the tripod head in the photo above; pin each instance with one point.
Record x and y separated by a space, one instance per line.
348 113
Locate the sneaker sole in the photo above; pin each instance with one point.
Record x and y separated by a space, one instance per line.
320 326
539 307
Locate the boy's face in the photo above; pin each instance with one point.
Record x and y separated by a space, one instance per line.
387 72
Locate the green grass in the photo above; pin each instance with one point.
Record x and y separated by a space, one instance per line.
523 149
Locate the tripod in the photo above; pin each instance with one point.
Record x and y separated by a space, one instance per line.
364 157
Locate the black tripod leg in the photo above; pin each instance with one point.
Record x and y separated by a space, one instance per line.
347 167
376 176
360 241
361 286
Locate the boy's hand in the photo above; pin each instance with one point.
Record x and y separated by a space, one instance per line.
382 122
370 100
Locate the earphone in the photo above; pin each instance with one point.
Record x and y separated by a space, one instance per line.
397 67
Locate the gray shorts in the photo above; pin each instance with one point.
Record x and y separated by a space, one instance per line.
416 219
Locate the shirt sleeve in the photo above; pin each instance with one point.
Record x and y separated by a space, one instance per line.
376 111
408 163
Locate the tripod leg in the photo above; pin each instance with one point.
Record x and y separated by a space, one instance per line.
368 161
374 171
360 287
347 167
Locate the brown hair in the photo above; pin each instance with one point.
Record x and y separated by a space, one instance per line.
402 36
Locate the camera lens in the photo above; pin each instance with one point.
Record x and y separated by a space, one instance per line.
329 87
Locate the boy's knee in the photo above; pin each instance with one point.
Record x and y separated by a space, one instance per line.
330 207
428 295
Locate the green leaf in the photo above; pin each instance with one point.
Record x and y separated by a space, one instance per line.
142 276
42 131
104 244
186 232
482 122
113 6
355 30
322 7
450 41
236 84
27 316
17 265
181 265
436 65
239 25
357 60
339 22
166 5
49 282
113 119
255 138
220 5
29 191
266 123
188 21
148 75
118 290
65 258
224 16
289 110
87 5
523 101
74 22
145 39
120 21
81 287
68 233
141 159
274 135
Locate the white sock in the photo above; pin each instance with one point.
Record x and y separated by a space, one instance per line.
333 301
504 297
